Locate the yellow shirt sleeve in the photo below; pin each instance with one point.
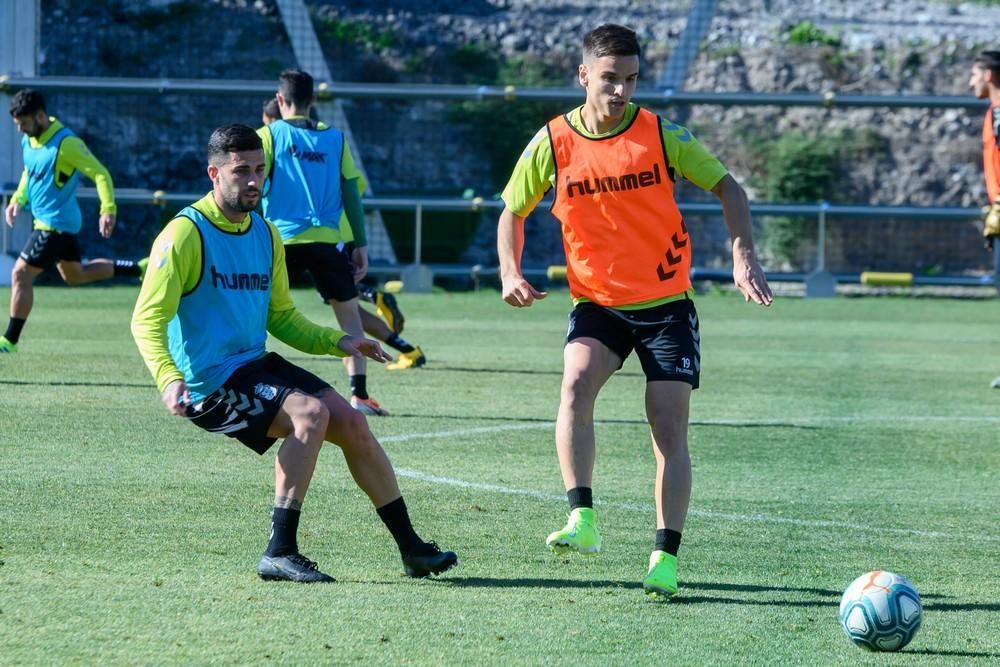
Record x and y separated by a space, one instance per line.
268 141
21 193
689 158
533 176
174 269
74 155
286 323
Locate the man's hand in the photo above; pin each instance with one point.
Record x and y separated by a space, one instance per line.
363 347
176 397
10 213
991 224
519 293
106 224
360 260
750 279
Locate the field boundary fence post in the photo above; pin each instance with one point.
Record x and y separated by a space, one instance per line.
820 284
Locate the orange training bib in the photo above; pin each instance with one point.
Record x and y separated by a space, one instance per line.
624 237
991 154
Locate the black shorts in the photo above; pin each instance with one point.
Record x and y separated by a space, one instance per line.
245 405
665 337
328 264
44 248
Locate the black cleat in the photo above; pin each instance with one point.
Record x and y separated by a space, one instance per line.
428 559
292 567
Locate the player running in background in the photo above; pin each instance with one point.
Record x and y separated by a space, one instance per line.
54 159
985 84
312 186
384 302
215 288
628 254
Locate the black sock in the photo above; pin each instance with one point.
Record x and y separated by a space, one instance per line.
284 526
397 343
14 327
126 267
668 540
359 386
397 520
580 496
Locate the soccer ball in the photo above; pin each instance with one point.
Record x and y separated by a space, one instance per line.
881 611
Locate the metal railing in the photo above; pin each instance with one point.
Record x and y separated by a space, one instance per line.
413 91
821 212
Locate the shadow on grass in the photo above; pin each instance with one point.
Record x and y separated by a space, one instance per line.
822 597
75 383
516 582
958 654
951 606
638 422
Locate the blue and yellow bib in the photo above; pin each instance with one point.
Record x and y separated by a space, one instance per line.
52 202
221 324
303 188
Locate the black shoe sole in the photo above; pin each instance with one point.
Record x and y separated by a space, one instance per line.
423 574
272 577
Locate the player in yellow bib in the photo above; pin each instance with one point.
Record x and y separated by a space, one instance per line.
612 167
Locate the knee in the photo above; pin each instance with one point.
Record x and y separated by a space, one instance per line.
312 416
354 425
20 275
579 389
669 435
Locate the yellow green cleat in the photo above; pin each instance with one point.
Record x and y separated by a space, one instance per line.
407 360
579 535
661 581
6 346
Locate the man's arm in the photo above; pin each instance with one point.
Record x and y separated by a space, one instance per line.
352 185
74 153
17 200
747 273
517 291
268 143
354 210
174 267
21 193
286 323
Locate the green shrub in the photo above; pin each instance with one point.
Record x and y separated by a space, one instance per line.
807 33
798 168
355 32
504 127
444 234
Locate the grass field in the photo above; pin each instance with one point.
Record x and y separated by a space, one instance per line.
830 437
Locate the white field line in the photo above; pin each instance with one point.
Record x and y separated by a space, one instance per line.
642 507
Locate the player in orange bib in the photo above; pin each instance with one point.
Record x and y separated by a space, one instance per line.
985 84
612 167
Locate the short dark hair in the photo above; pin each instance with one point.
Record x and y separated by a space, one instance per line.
990 60
610 40
26 102
233 138
271 110
296 86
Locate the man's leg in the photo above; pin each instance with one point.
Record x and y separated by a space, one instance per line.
303 421
77 273
667 409
373 473
348 314
587 365
410 356
22 298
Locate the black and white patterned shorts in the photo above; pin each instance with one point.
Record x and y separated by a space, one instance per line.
245 405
